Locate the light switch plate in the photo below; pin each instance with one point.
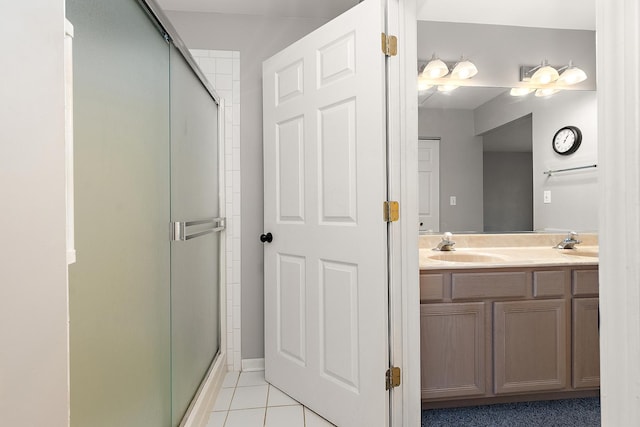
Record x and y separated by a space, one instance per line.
452 200
547 196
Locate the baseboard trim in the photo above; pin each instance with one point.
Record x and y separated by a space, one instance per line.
249 365
200 410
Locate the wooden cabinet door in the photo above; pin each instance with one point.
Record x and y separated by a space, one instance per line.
586 343
530 346
452 343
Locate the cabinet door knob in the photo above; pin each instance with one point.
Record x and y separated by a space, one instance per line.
266 238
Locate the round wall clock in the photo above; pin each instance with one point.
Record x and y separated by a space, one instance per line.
566 140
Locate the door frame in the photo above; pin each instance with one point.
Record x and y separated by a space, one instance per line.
404 296
618 89
619 181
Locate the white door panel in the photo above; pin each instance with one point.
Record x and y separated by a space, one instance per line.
429 184
325 181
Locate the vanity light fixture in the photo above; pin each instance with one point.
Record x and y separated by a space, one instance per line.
464 69
435 69
545 74
571 75
546 80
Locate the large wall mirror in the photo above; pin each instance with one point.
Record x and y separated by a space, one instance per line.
484 154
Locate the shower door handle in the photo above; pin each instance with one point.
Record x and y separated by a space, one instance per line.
180 232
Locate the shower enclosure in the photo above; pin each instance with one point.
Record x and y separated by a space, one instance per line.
145 290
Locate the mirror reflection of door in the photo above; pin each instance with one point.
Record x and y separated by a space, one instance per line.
507 173
429 184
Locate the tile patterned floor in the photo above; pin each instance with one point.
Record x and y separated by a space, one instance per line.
247 400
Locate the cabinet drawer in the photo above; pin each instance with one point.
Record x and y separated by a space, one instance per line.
489 285
548 284
585 282
432 287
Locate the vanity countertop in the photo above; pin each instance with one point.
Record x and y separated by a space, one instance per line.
514 250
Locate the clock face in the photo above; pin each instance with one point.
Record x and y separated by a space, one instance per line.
567 140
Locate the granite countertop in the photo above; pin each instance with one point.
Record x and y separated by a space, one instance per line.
506 250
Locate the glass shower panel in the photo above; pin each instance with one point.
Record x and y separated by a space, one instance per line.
195 270
120 285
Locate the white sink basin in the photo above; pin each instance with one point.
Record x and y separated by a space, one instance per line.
578 252
466 257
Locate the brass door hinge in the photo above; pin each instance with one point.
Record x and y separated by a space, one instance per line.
391 211
393 377
389 45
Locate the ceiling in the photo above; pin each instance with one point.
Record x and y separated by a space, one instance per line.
562 14
566 14
326 9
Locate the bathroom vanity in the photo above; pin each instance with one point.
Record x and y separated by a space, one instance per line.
508 323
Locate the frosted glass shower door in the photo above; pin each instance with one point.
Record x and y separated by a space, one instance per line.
195 247
119 304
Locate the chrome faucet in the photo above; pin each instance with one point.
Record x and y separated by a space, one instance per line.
569 242
446 244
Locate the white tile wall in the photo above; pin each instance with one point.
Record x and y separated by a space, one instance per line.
222 69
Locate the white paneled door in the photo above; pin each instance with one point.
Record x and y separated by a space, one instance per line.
429 184
326 315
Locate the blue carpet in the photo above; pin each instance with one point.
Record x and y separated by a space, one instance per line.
553 413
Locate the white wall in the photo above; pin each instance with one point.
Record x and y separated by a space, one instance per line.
460 167
33 273
256 38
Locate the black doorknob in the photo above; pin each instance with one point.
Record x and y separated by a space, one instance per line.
266 238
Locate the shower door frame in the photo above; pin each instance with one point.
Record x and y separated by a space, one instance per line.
199 409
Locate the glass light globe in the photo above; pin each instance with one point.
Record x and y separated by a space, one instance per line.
572 75
435 69
464 70
545 75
